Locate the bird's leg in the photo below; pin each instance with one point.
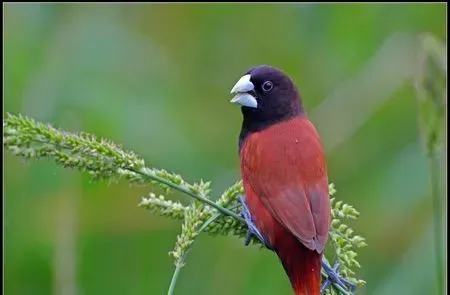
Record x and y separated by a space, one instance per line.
252 230
334 277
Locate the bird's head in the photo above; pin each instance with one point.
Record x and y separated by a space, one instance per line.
267 96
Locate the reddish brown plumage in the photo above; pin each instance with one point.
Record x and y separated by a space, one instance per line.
284 174
286 188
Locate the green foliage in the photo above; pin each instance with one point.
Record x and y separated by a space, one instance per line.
189 231
430 83
104 160
168 208
344 242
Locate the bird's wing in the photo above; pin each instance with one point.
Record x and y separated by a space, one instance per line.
286 169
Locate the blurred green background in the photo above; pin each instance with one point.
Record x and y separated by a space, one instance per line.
156 79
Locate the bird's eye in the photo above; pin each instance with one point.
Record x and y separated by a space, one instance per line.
267 86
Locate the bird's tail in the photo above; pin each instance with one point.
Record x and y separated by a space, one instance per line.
303 267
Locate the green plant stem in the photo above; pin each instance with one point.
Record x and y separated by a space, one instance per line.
180 263
104 160
178 267
437 218
191 194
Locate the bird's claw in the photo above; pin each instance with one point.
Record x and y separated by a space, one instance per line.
252 230
334 277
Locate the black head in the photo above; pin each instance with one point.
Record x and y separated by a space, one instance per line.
267 96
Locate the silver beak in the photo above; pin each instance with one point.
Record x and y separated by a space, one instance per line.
241 89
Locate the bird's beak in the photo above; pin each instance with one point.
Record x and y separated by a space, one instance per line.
242 89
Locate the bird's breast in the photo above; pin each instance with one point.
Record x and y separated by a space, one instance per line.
288 151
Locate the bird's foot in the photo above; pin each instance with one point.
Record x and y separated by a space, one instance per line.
335 278
252 230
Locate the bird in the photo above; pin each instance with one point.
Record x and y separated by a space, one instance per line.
284 174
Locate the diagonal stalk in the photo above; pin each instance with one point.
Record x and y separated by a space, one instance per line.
219 208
